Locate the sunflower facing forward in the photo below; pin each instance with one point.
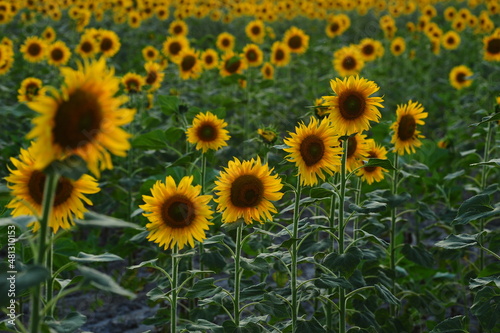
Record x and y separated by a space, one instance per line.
208 132
491 46
352 109
460 77
83 119
27 185
297 40
315 150
406 136
245 190
178 215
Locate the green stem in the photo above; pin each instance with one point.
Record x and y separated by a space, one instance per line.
343 179
49 191
484 179
174 293
237 276
329 307
392 244
358 202
203 176
50 259
295 236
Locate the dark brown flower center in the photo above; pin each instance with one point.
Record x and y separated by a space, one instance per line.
209 59
461 77
188 63
178 212
226 42
349 63
493 46
251 55
174 48
407 127
450 40
34 49
368 49
247 191
132 85
397 48
150 54
312 149
36 184
295 42
232 65
151 78
106 44
77 120
178 30
207 132
255 30
351 105
371 154
32 90
87 47
57 54
279 55
334 27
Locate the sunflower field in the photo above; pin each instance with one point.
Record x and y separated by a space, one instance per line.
250 166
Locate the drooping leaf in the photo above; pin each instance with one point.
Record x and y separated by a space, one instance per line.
377 162
493 162
202 325
454 175
493 117
386 295
168 104
258 265
71 323
329 281
203 288
156 139
454 242
485 281
345 263
486 308
86 258
103 281
92 219
31 276
477 207
451 325
254 292
418 254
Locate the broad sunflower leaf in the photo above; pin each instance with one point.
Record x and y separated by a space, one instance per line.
451 325
258 265
168 104
493 162
29 277
345 263
254 292
386 295
454 175
369 207
203 288
454 242
487 307
71 323
312 325
418 254
103 281
149 263
485 281
20 221
156 139
202 325
477 207
86 258
92 219
493 117
378 162
328 281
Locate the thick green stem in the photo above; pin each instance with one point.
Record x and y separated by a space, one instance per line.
294 250
329 307
50 260
174 293
484 181
237 276
49 192
358 202
342 300
392 245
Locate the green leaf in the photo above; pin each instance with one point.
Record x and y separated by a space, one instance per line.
485 281
149 263
20 221
345 263
493 117
309 325
369 207
71 323
254 292
72 167
92 219
418 254
454 175
477 207
103 282
487 307
273 305
454 242
328 281
156 294
425 212
31 276
451 325
202 325
156 139
493 162
386 295
173 134
378 162
203 288
86 258
168 104
257 265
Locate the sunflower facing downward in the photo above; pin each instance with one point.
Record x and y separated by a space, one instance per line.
352 109
314 149
83 119
406 136
208 132
245 190
177 214
373 173
27 185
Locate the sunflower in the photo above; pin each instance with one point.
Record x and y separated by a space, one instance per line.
315 150
232 63
370 49
352 109
49 34
210 59
280 54
459 24
27 185
150 53
189 63
225 42
34 49
58 53
267 71
7 59
178 28
245 190
253 55
173 46
134 19
132 82
162 12
450 40
255 30
450 13
373 173
208 132
348 61
268 135
154 75
297 40
357 150
109 43
492 46
177 214
398 46
83 119
87 47
460 77
406 136
30 89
